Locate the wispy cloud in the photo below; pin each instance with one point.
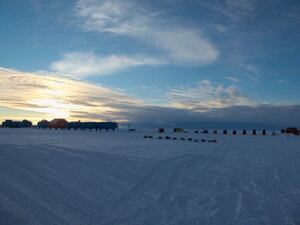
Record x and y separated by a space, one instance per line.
247 5
182 44
234 9
252 72
174 43
252 77
250 68
59 96
82 64
207 95
282 81
234 79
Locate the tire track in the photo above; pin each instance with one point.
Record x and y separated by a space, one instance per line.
168 192
141 185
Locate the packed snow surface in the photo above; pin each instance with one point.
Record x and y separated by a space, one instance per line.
87 177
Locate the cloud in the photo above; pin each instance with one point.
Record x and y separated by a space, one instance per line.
250 68
238 117
235 10
174 43
282 81
247 5
280 114
57 95
206 96
220 28
233 79
252 77
82 64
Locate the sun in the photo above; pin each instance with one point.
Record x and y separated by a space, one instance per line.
53 108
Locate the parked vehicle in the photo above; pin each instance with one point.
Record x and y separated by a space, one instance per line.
161 130
178 130
131 130
292 130
58 124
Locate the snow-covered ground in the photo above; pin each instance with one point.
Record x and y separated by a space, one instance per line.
82 177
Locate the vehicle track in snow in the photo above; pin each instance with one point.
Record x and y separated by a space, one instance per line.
232 182
175 167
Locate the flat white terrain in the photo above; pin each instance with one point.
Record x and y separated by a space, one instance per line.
50 177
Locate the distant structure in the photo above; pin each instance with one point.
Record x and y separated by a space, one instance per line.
17 124
74 125
58 124
99 126
44 124
64 124
7 123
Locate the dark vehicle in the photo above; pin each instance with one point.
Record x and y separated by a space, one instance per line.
292 130
178 130
131 130
44 124
26 124
161 130
74 125
107 126
58 124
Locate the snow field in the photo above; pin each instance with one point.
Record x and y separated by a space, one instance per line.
82 177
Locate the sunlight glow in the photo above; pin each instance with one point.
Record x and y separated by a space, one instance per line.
54 108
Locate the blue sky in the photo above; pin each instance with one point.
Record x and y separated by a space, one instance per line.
189 58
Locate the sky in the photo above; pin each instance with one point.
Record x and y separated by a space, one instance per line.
152 63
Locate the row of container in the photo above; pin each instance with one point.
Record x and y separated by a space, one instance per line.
234 132
291 130
61 124
183 139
